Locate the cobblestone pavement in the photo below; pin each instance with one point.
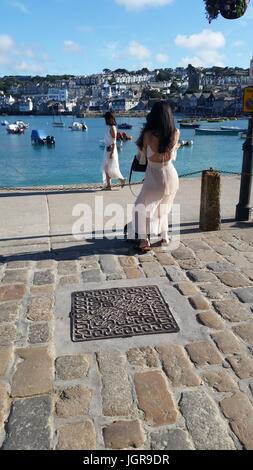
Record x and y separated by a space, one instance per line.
196 395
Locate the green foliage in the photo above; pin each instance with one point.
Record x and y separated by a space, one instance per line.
149 94
230 9
212 9
163 76
121 71
174 87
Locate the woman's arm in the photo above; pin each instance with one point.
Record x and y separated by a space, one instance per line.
143 149
114 136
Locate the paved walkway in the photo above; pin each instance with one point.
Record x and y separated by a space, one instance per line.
44 221
182 391
189 390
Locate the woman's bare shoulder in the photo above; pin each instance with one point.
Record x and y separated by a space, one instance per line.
147 137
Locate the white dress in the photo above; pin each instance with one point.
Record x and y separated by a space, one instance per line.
111 165
154 203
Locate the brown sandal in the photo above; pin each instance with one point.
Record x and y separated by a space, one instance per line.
146 248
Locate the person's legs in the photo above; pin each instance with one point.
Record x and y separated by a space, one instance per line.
141 226
122 182
108 181
164 210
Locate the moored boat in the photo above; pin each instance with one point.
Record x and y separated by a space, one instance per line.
40 137
58 124
14 129
186 143
57 121
233 128
78 126
215 120
190 125
125 125
21 124
209 131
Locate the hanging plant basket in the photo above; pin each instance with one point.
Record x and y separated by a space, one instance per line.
229 9
233 9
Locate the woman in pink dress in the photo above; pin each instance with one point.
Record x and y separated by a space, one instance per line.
157 143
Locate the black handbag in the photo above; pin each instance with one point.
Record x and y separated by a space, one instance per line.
136 166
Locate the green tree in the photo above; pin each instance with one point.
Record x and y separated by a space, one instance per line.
163 76
174 89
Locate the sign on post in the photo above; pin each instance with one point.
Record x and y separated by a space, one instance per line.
248 100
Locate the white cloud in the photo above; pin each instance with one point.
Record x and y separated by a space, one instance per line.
6 44
29 53
138 51
139 4
206 39
207 58
206 46
72 47
25 67
20 6
9 51
162 58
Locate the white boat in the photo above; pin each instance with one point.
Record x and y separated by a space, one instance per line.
186 143
213 131
231 128
78 126
14 129
58 124
57 121
22 124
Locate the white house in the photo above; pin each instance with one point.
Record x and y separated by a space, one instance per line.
26 106
58 94
123 104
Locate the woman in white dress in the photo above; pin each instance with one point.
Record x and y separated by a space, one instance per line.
158 143
111 158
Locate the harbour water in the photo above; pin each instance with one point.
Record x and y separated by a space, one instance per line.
77 156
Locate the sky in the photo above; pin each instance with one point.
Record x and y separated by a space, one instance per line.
81 37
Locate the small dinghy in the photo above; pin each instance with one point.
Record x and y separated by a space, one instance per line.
22 124
14 129
41 138
78 126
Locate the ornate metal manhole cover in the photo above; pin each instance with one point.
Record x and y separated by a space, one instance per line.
120 313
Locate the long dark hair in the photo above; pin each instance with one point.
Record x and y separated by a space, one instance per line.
110 119
160 122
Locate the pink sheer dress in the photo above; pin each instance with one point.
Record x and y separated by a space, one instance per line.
154 203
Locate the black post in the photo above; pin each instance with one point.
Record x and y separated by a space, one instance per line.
243 208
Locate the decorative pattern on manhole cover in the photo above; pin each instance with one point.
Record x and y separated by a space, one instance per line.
120 313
